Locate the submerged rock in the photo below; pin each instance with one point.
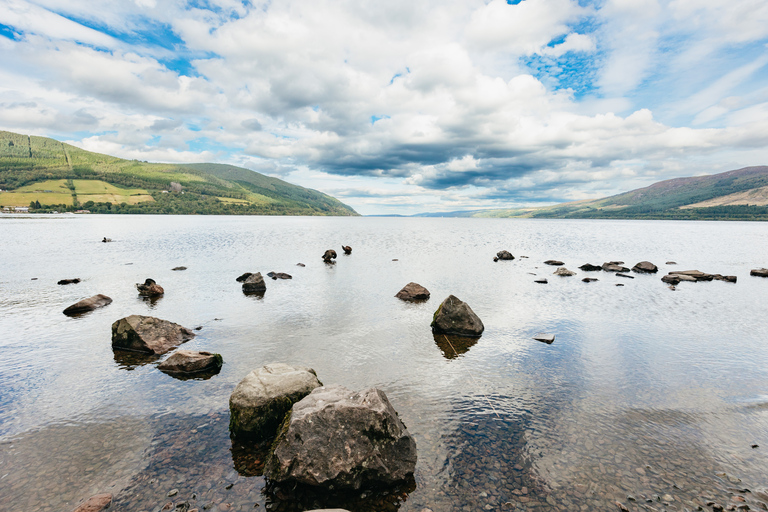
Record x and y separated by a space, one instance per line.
150 288
329 256
338 439
148 334
588 267
96 503
347 249
759 272
504 255
645 267
413 292
69 281
89 304
254 283
562 271
555 263
456 317
191 361
260 401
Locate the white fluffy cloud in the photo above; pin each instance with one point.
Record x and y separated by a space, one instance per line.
401 106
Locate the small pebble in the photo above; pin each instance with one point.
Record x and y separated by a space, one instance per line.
173 492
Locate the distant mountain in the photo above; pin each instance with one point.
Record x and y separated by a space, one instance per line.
734 195
51 175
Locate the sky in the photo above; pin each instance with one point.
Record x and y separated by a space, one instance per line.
403 106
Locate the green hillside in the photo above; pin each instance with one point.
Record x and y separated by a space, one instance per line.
52 175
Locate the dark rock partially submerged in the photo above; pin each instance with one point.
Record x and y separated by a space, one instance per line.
413 292
148 334
279 275
540 281
89 304
457 318
338 439
504 255
150 288
562 271
243 277
254 283
759 272
619 274
544 337
69 281
260 401
645 267
179 268
555 263
191 361
589 279
671 279
588 267
614 266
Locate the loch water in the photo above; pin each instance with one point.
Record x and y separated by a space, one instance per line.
651 397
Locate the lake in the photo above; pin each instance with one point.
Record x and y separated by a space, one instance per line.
647 393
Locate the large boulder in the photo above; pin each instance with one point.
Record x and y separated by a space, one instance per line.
645 267
191 361
457 318
504 255
150 288
254 283
336 438
96 503
89 304
148 334
260 401
588 267
413 292
759 272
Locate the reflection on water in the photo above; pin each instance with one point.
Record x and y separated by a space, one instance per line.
648 393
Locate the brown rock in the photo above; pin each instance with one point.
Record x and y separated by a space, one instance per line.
89 304
645 267
246 276
69 281
254 284
562 271
614 266
504 255
279 275
589 279
95 503
347 249
413 292
696 274
588 267
148 334
759 272
457 318
191 361
669 278
150 288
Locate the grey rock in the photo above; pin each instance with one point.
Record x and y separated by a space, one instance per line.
671 279
671 263
544 337
457 318
759 272
504 255
413 292
562 271
191 361
254 283
279 275
69 281
96 503
614 266
300 265
554 262
341 439
148 334
645 267
150 288
89 304
540 281
260 401
588 267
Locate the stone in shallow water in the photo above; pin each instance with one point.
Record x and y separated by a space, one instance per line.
191 361
89 304
544 337
95 503
646 267
413 292
148 334
562 271
555 263
254 283
456 317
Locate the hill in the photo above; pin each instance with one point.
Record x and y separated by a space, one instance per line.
52 175
734 195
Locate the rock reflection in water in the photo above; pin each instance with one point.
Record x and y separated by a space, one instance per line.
204 375
454 346
128 360
293 497
151 301
249 457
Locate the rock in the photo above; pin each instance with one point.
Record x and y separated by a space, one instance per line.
150 288
614 266
589 279
191 361
457 318
95 503
696 274
69 281
759 272
179 268
619 284
413 292
554 262
259 402
646 267
619 274
670 279
335 438
105 239
588 267
671 263
148 334
562 271
89 304
347 249
540 281
300 265
622 507
243 277
727 279
329 256
544 337
504 255
279 275
254 284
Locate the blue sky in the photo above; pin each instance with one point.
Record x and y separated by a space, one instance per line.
401 106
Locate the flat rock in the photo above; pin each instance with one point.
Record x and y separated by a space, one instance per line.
457 318
544 337
759 272
413 292
336 438
504 255
614 266
698 275
540 281
149 288
556 263
562 271
671 279
588 267
279 275
96 503
191 361
300 265
645 267
671 263
260 401
727 279
619 274
89 304
589 279
179 268
148 334
254 283
69 281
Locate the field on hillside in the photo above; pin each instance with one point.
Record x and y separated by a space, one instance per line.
52 192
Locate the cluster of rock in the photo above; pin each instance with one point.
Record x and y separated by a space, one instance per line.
321 436
253 283
693 276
